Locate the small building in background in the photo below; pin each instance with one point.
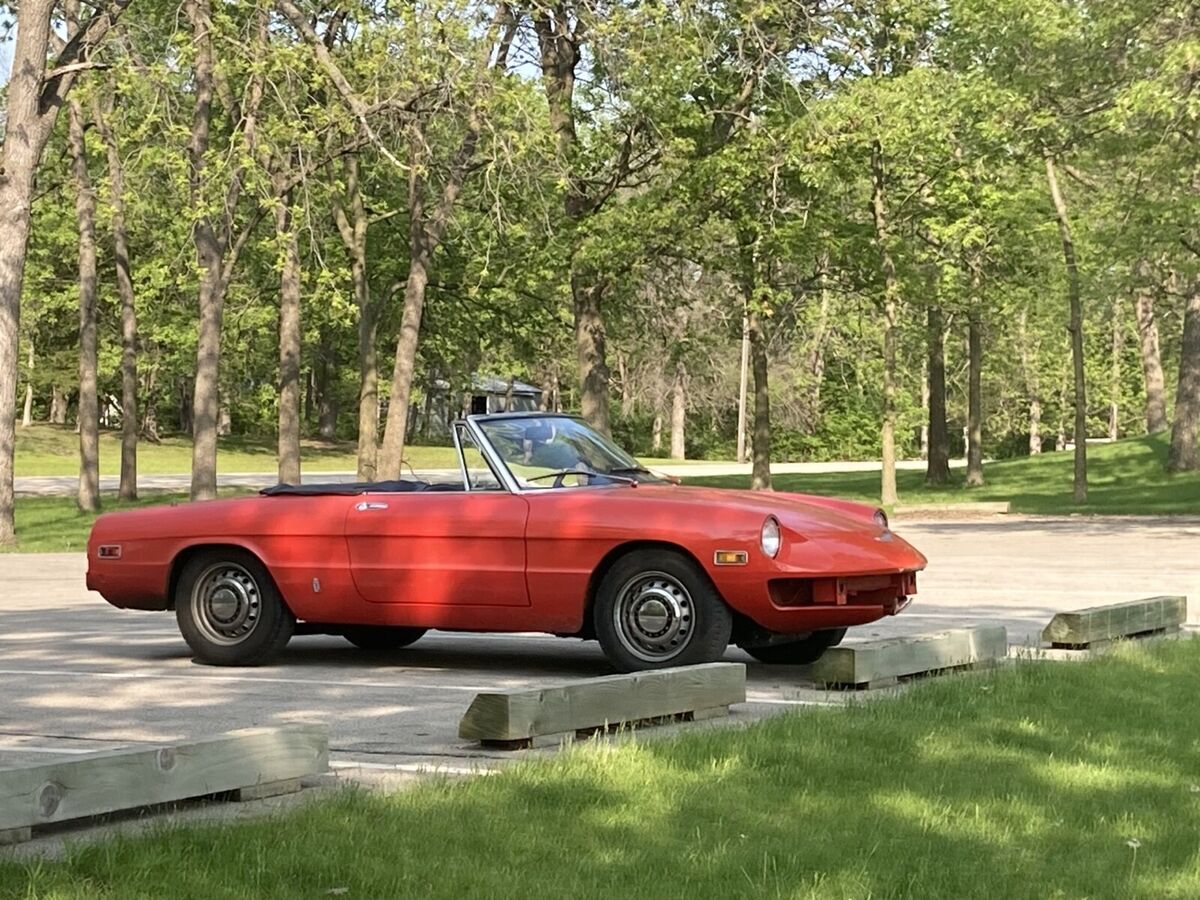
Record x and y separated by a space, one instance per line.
494 395
434 412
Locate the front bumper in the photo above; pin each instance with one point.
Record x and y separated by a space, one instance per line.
788 604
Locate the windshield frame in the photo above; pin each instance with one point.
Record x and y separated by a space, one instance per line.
475 424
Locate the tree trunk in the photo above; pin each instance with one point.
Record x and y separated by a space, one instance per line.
206 399
309 402
32 105
743 388
559 48
327 414
1030 374
1075 300
590 349
627 395
58 406
679 412
426 231
88 497
150 421
22 150
1114 381
27 416
352 227
1183 456
891 306
974 389
187 389
925 409
213 235
325 375
937 468
211 293
1152 370
656 430
289 345
129 373
420 250
391 458
760 472
820 340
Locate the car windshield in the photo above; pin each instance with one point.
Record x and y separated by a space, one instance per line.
558 451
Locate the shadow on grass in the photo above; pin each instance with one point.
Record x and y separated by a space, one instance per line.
1048 780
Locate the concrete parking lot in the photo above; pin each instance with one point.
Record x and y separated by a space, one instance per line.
77 675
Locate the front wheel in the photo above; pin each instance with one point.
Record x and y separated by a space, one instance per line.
229 610
801 652
381 637
657 608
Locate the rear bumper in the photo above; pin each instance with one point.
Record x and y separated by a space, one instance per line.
125 586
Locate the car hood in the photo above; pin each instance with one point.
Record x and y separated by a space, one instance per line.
805 513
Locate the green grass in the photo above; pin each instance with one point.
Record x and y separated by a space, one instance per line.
54 450
1035 782
1126 477
55 525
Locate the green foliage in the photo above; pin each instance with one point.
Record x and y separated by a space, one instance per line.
726 148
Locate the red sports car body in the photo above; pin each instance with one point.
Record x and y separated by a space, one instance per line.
551 528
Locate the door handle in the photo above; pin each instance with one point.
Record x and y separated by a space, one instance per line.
370 504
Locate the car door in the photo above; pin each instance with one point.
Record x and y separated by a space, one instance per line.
442 548
439 549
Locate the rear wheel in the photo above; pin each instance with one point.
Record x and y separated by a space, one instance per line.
657 608
801 652
229 610
381 637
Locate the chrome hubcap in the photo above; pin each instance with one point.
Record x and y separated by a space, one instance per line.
654 616
226 603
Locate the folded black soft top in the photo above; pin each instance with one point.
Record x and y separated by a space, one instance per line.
352 487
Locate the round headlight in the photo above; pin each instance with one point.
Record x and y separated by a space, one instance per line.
771 539
881 519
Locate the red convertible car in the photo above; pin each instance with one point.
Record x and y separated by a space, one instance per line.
549 527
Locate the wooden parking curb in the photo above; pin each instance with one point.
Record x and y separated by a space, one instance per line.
1098 626
885 662
522 718
252 763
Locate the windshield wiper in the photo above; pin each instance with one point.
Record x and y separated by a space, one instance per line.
630 470
563 473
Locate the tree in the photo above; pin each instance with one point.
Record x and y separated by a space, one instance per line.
216 234
35 95
88 498
130 423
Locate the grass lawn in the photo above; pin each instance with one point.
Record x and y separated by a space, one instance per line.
1043 780
1126 477
54 450
55 525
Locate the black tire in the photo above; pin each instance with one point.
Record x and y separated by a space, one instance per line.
381 637
657 608
229 610
801 652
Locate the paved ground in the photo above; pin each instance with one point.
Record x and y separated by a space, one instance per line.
76 673
66 485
